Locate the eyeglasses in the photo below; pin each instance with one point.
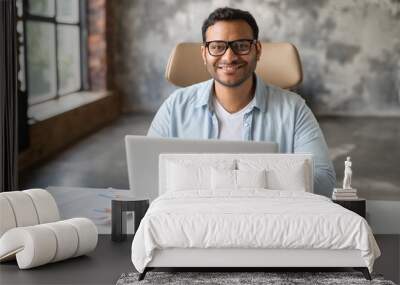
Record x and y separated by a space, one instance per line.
239 47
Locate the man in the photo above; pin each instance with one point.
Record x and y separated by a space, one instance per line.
237 105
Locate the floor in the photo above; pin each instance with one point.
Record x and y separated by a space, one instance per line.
373 143
110 259
102 266
97 161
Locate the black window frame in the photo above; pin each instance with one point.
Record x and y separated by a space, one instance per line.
82 25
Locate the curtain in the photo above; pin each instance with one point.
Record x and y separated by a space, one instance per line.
8 97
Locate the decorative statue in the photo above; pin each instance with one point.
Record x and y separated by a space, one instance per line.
347 174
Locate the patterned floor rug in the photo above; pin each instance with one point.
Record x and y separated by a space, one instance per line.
244 278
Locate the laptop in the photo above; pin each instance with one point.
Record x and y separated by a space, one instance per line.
142 157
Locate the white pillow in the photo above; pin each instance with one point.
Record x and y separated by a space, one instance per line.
293 179
283 174
237 179
251 178
183 175
223 179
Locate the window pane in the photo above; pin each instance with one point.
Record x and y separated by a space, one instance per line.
42 7
40 60
68 59
21 55
68 11
21 45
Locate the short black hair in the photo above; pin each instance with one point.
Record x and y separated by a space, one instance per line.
229 14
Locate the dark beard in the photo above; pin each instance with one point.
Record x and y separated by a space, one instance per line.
234 85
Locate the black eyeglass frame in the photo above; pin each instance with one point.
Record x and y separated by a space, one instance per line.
228 44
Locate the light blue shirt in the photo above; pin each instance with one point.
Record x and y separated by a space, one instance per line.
277 115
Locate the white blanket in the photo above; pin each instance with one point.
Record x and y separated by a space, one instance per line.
252 218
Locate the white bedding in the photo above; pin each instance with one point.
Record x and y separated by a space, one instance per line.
251 218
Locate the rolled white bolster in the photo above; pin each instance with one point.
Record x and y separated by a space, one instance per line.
87 234
45 205
40 244
7 218
67 240
33 246
23 208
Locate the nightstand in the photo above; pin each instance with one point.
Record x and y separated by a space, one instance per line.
358 206
119 207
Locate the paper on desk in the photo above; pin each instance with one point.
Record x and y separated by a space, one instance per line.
92 203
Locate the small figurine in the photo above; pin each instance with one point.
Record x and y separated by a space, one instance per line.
347 174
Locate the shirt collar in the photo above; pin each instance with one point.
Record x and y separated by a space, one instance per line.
207 92
261 95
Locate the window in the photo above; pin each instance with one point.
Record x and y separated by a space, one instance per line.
52 48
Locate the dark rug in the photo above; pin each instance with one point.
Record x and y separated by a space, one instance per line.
269 278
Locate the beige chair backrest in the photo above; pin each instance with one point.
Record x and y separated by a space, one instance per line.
279 65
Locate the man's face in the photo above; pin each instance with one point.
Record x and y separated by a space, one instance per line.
230 69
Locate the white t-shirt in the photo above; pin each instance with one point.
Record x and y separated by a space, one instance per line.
230 125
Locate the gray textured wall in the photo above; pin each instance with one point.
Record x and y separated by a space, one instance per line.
350 49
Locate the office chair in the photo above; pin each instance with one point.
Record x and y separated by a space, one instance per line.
279 65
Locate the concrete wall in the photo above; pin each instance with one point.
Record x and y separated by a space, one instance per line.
350 49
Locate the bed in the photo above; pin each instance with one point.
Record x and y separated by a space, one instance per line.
247 210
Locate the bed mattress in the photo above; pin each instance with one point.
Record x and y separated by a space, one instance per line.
250 219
